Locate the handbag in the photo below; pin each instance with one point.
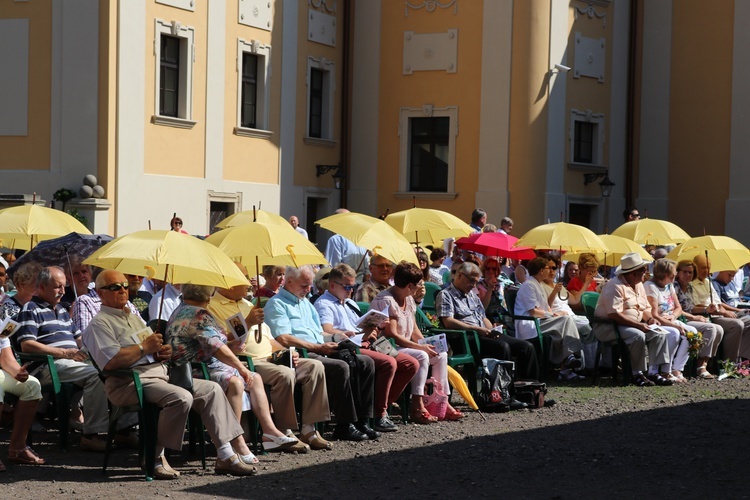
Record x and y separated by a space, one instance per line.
436 401
384 346
497 383
530 392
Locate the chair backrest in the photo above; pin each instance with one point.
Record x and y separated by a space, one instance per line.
510 299
423 322
363 307
588 301
431 291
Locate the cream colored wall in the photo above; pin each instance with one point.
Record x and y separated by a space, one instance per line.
250 159
107 104
441 89
700 114
307 156
32 152
169 150
528 118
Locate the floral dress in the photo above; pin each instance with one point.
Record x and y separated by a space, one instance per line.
195 336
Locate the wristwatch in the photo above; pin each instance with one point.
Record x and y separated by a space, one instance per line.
143 351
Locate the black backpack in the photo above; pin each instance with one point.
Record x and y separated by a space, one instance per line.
497 385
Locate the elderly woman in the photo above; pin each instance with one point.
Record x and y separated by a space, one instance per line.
707 301
490 290
623 301
713 333
532 300
196 336
586 281
402 327
665 307
14 379
274 276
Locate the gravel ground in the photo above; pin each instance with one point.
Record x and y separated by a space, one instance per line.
684 441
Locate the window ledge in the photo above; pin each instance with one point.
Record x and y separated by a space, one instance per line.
425 195
314 141
588 167
253 132
171 121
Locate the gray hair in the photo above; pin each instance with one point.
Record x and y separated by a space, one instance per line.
197 293
27 274
45 275
295 273
75 260
469 268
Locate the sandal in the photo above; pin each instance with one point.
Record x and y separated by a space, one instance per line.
422 417
641 381
26 456
278 443
705 375
659 380
315 441
453 414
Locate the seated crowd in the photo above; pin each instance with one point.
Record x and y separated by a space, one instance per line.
92 322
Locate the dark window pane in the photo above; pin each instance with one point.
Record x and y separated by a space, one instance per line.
249 90
583 146
316 103
428 157
169 77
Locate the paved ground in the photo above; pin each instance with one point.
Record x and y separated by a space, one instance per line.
686 441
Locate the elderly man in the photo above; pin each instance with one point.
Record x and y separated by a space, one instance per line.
381 272
460 309
111 341
46 328
736 341
478 220
506 225
624 301
295 322
308 373
78 279
294 221
339 315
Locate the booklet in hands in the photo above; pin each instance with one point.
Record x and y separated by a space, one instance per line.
372 319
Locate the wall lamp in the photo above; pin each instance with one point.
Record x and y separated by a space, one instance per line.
338 173
606 184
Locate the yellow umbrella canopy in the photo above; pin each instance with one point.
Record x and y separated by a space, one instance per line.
248 216
180 257
724 253
564 237
425 224
371 233
652 232
268 242
24 226
618 246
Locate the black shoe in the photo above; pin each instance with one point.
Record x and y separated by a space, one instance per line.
517 405
659 380
347 432
384 424
549 402
366 429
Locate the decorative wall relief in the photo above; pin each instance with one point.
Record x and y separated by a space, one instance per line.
256 13
590 57
591 12
322 5
430 52
431 5
321 28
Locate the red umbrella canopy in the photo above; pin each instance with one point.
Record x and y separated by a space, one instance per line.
495 245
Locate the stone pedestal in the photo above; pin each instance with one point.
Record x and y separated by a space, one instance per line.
14 200
96 211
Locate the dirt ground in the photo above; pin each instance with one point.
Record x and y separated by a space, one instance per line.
685 441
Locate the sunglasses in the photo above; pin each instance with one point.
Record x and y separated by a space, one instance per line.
554 268
115 287
348 288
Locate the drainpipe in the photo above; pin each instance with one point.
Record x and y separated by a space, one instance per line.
630 127
345 90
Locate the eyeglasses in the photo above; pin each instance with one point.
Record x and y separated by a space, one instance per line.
383 266
115 287
471 279
348 288
635 215
178 223
554 268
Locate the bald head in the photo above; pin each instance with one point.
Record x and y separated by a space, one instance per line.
112 287
702 266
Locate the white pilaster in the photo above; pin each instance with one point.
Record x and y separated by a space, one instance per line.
290 194
215 89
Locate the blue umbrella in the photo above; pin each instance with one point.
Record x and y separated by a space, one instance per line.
57 252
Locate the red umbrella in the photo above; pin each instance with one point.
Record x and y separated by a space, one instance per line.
495 245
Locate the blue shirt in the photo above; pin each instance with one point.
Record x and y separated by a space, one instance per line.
286 314
332 311
50 326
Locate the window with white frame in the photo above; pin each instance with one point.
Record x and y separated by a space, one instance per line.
174 50
253 76
428 149
586 137
321 79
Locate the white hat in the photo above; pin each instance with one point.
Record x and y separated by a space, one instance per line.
629 263
4 263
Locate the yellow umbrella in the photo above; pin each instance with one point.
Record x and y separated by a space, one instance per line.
268 242
174 257
652 232
564 237
24 226
618 246
253 215
424 224
371 233
724 253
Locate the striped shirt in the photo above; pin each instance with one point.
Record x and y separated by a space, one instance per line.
46 325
